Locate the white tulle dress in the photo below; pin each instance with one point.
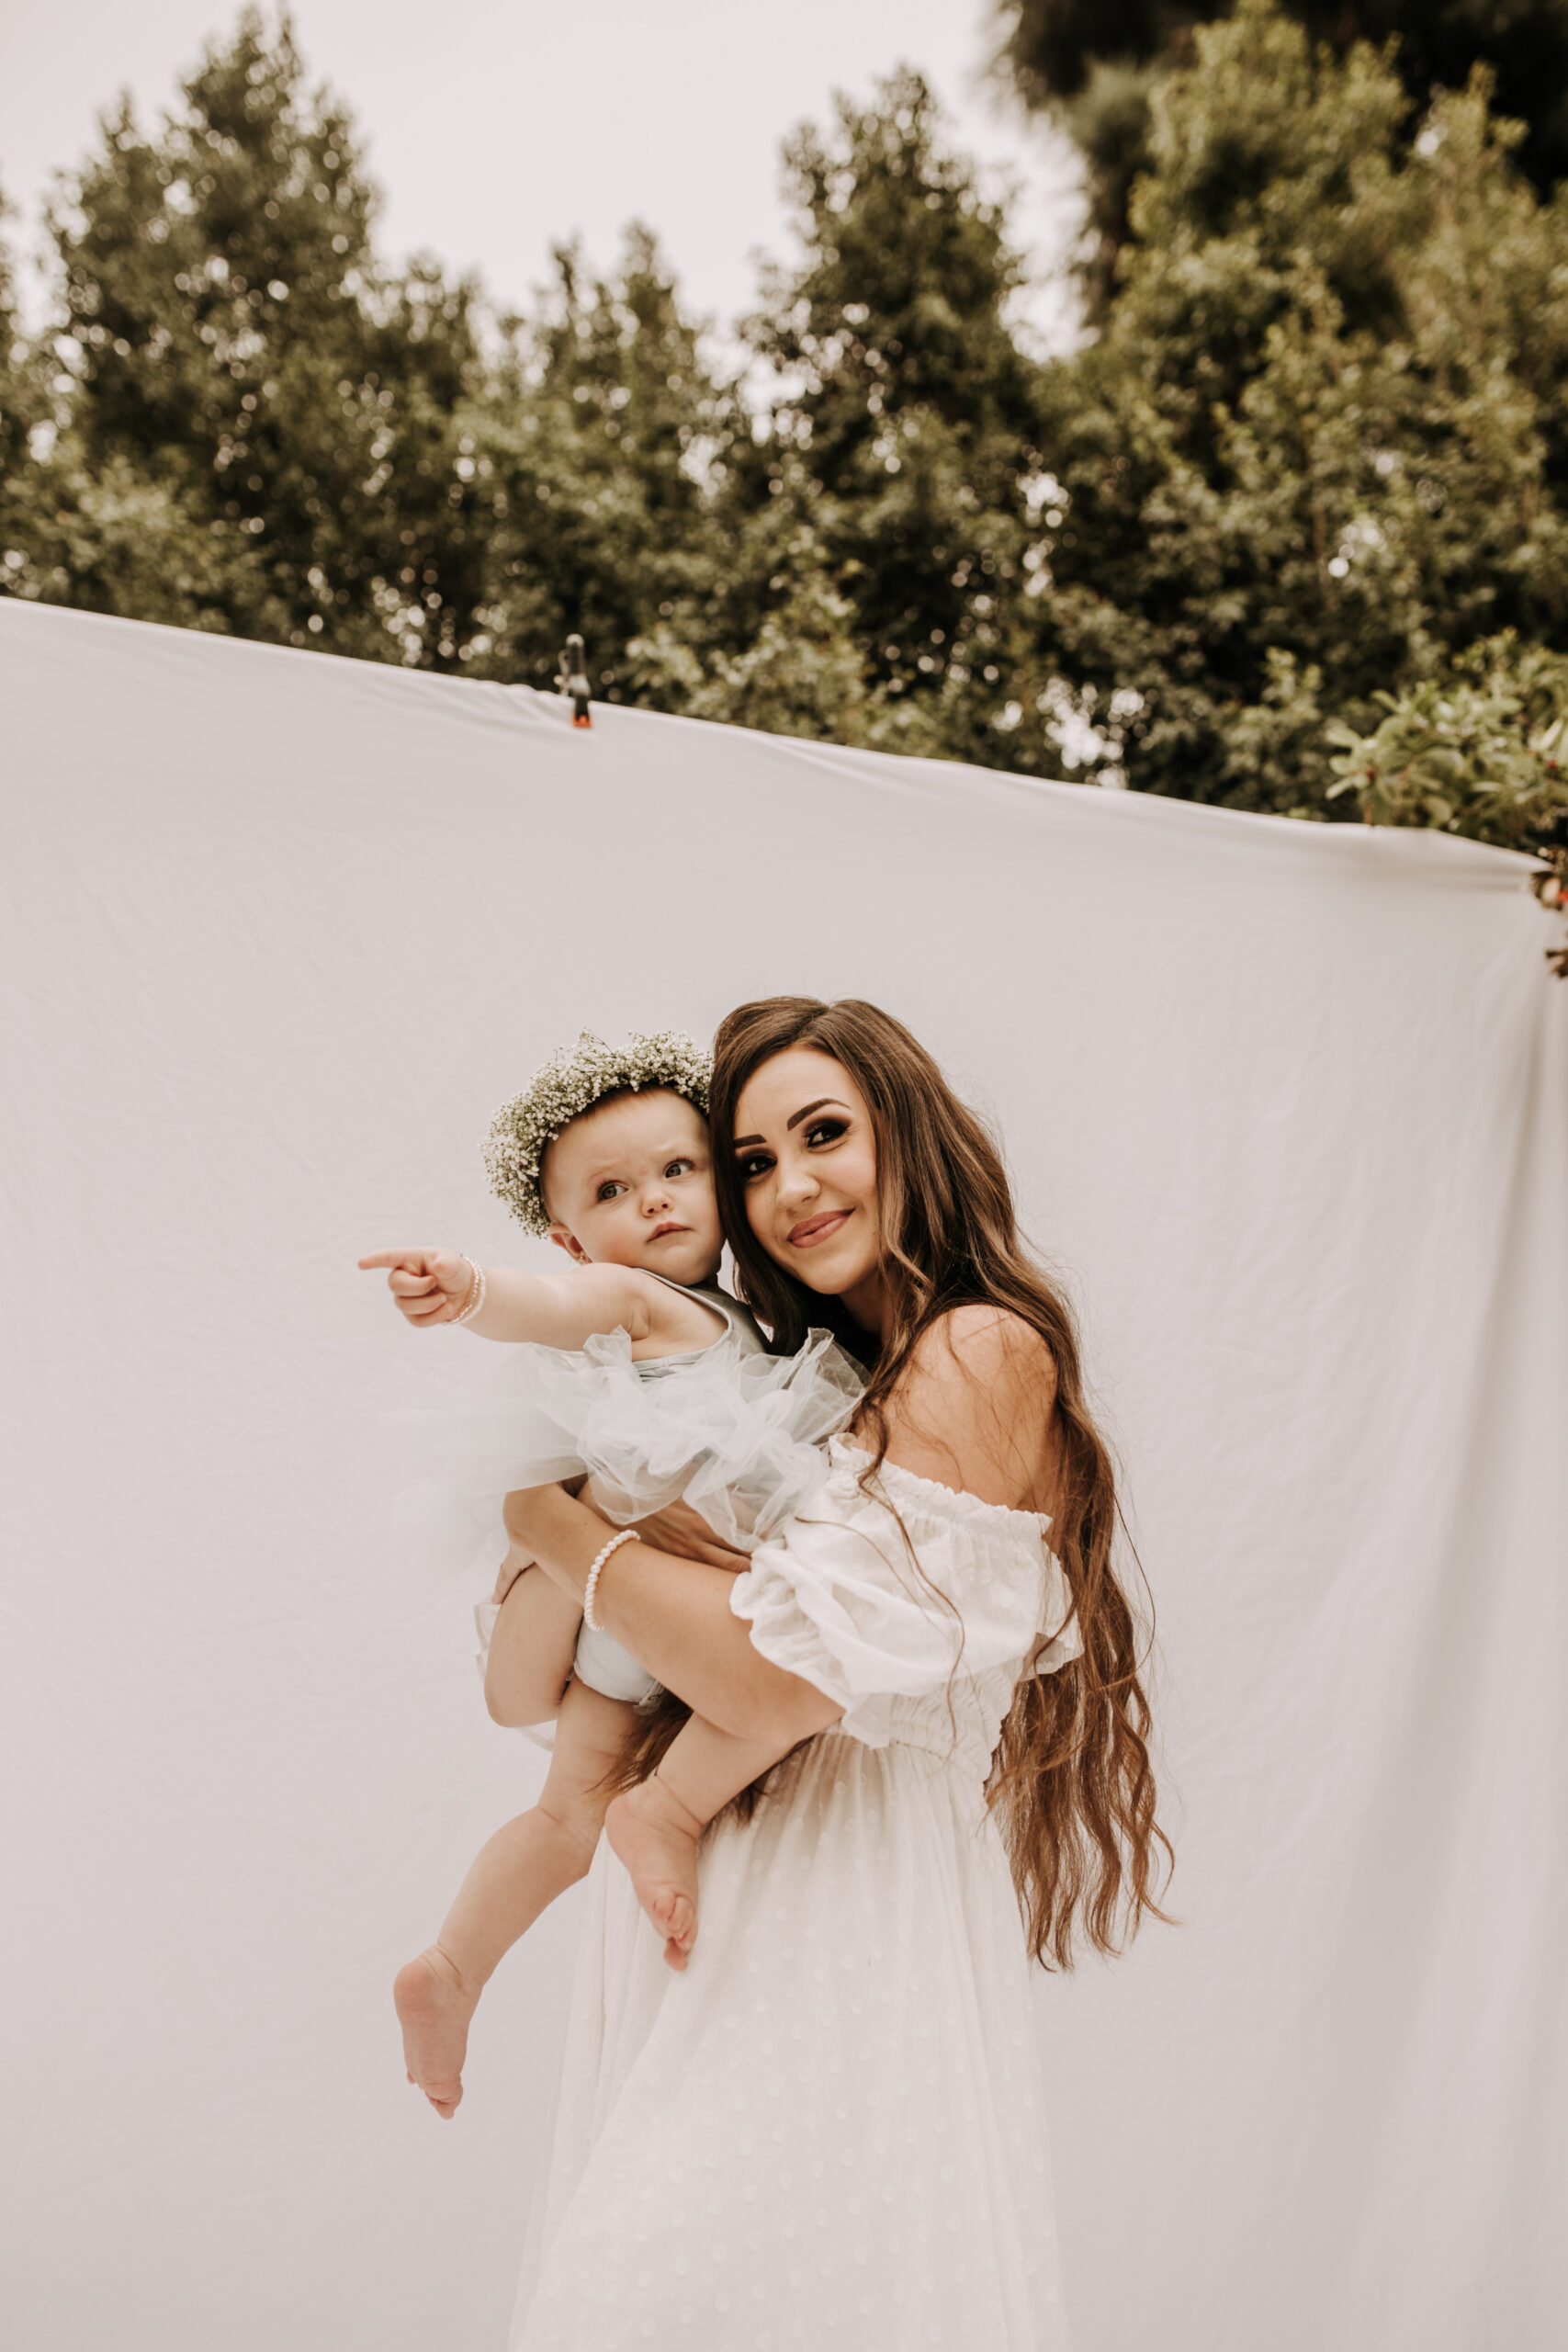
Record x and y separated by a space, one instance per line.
827 2131
733 1431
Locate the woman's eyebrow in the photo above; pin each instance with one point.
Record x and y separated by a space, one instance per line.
823 1101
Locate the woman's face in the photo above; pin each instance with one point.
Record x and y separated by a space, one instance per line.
805 1149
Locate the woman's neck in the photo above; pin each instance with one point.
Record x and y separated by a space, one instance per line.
869 1303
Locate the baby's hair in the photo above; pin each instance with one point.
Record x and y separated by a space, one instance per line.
577 1079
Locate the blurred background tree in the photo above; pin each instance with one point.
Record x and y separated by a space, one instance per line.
1095 66
875 509
1322 443
1314 446
599 443
257 426
25 414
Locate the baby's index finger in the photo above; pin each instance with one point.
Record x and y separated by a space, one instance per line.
411 1261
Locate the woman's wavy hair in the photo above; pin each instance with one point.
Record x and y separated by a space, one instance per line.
1071 1786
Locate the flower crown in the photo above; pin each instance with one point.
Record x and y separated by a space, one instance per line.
571 1082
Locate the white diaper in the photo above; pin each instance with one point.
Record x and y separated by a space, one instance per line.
607 1667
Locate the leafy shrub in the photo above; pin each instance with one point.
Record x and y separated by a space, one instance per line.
1478 750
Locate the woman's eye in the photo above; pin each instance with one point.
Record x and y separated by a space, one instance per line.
824 1131
753 1164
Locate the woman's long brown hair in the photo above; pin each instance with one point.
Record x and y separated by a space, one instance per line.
1071 1786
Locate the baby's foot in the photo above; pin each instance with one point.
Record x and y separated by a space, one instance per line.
656 1837
434 2008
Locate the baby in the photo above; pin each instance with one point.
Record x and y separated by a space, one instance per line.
669 1392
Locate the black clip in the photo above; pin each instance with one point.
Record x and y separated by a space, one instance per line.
573 679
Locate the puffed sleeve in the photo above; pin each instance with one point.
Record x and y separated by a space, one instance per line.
884 1595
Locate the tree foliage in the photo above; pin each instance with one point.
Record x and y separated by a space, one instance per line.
1482 752
258 428
600 425
24 410
885 494
1096 64
1317 450
1321 442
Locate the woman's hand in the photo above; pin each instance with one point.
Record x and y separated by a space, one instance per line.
668 1610
510 1568
680 1529
428 1286
677 1528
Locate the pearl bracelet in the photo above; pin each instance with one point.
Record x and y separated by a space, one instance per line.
627 1535
475 1298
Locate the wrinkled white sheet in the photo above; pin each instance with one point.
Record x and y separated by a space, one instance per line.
1288 1105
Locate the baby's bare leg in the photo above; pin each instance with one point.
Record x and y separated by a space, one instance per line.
521 1868
531 1651
655 1827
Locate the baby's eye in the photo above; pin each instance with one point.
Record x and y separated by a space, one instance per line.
753 1164
679 1168
825 1130
609 1188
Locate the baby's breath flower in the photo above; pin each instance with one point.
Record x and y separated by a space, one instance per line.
571 1082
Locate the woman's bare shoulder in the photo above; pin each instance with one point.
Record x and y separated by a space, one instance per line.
982 1339
975 1406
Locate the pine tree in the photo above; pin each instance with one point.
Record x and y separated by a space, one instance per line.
1096 64
277 420
900 457
24 415
594 447
1321 444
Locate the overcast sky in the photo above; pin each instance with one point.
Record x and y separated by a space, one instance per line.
498 127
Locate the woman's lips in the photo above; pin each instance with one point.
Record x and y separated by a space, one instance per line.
817 1229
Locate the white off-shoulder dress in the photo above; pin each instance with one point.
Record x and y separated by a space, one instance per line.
828 2131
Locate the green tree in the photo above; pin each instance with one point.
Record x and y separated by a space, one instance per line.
597 445
1480 751
262 420
1322 442
885 500
24 410
1096 64
856 568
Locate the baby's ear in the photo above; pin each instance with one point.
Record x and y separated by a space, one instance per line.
570 1244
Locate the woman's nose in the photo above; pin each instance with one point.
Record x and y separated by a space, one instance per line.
796 1186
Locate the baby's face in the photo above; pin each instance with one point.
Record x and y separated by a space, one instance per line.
631 1185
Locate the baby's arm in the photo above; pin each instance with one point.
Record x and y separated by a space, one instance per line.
432 1286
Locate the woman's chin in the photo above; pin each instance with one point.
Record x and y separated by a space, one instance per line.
830 1272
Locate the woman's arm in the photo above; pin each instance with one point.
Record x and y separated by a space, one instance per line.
674 1617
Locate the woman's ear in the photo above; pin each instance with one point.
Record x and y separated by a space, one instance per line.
570 1244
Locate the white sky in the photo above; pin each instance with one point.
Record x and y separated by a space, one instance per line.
497 127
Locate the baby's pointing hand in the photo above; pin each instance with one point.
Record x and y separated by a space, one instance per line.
428 1286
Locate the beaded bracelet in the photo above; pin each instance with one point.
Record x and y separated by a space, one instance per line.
627 1535
475 1298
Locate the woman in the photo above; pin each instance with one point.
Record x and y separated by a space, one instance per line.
827 2131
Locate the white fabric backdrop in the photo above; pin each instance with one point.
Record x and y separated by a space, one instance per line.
1289 1106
